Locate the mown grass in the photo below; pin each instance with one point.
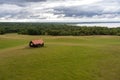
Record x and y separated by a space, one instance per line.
62 58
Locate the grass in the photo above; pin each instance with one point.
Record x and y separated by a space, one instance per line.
62 58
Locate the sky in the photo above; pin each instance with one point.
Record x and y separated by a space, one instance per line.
59 10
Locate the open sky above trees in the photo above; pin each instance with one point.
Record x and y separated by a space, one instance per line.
59 10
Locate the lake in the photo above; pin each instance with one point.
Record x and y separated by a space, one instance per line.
104 24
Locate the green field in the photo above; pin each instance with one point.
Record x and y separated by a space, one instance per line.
62 58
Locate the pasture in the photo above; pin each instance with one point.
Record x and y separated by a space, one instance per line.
62 58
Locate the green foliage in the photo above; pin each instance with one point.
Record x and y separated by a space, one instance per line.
118 34
2 31
55 29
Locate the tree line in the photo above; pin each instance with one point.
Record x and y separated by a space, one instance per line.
55 29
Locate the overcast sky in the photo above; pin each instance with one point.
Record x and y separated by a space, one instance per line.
59 10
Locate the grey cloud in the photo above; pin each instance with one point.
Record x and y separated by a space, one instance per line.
103 9
18 1
20 14
98 9
80 11
21 0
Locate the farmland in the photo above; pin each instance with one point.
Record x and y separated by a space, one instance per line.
62 58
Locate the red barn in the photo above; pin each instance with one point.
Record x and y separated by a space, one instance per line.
36 43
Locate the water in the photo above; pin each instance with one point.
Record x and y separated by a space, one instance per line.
104 24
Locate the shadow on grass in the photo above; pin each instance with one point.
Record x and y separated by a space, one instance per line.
27 47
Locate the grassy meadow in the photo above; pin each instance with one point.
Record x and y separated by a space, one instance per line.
62 58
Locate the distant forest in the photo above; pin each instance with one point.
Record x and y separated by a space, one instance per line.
55 29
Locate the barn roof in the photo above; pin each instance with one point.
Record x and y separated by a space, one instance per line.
37 41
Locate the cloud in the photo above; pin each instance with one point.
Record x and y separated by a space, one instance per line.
98 10
19 1
60 10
